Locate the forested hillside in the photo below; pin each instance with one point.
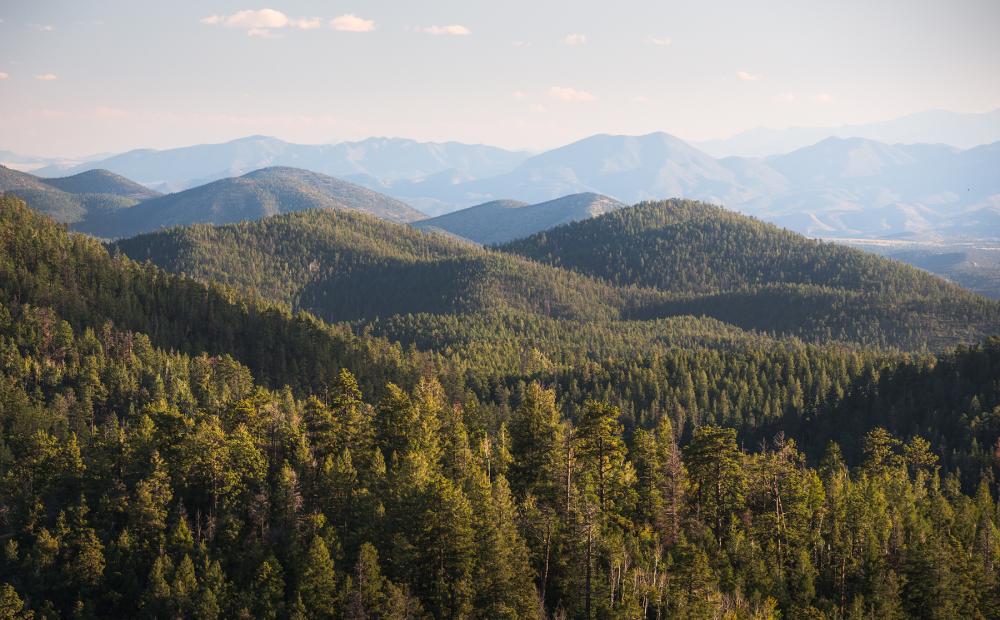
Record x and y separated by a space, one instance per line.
75 275
756 275
101 182
346 266
152 465
73 199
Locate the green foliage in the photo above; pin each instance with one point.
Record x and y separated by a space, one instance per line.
77 199
745 272
154 462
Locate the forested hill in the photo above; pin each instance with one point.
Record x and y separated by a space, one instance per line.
102 182
348 266
345 265
73 199
74 275
754 274
258 194
686 246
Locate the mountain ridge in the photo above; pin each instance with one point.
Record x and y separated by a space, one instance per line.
962 130
263 192
383 158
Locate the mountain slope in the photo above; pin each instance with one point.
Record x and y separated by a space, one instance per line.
506 220
102 182
44 266
753 274
261 193
345 265
73 199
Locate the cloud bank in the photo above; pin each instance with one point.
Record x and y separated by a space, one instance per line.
261 22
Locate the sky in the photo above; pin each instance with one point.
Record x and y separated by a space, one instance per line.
79 77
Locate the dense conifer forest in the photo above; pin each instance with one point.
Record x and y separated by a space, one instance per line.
654 260
322 415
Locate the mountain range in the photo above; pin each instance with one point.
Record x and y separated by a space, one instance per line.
961 130
386 159
837 187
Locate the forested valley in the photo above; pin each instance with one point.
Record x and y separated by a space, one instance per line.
323 415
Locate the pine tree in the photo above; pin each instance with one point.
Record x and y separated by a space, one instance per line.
11 605
268 589
534 431
318 581
714 463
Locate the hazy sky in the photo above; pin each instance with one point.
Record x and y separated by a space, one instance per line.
80 77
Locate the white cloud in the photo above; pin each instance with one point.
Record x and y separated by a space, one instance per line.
453 29
748 77
308 23
520 43
574 39
640 99
566 93
823 98
519 94
46 28
260 22
263 18
3 76
538 108
47 77
785 98
661 41
350 22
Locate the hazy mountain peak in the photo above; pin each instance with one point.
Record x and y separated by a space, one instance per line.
504 220
256 194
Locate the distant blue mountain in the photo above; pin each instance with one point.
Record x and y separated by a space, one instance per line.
930 127
835 187
385 159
